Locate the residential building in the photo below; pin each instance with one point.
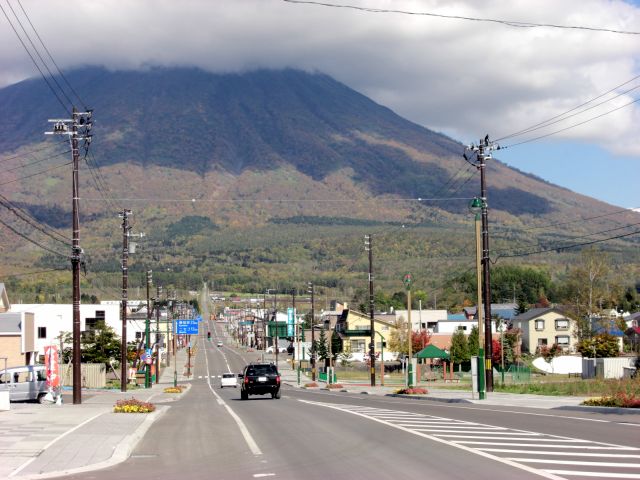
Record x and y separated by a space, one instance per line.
544 327
355 330
422 319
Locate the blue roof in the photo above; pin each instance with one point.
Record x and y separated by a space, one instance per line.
458 317
612 330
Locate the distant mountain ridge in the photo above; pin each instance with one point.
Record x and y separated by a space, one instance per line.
292 138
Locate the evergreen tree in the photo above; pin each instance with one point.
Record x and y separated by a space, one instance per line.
321 346
459 351
473 341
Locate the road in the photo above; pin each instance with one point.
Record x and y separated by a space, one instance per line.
210 433
318 435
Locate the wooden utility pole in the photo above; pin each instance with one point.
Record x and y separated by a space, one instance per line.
372 343
125 286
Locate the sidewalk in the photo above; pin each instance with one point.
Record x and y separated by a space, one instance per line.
41 441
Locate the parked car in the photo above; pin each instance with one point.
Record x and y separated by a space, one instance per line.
220 344
28 382
260 379
280 350
229 380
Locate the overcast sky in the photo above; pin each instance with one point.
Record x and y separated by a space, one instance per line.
464 78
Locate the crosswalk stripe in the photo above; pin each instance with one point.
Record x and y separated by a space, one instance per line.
555 461
594 474
528 450
566 454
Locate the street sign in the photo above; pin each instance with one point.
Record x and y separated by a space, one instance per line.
291 320
187 327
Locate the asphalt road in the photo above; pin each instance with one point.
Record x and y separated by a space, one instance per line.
210 433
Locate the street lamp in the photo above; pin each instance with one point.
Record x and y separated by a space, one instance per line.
476 207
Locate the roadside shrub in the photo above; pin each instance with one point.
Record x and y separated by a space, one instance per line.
311 385
412 391
620 399
131 405
334 385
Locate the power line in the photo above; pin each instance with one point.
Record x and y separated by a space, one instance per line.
281 200
36 162
509 23
572 126
51 56
31 152
35 174
566 247
20 234
65 106
546 122
36 273
33 222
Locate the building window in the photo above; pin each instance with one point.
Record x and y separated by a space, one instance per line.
562 324
42 332
562 340
542 342
100 315
539 325
138 335
462 327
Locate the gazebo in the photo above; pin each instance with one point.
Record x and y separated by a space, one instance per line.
432 352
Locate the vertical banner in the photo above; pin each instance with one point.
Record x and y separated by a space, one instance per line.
291 322
52 366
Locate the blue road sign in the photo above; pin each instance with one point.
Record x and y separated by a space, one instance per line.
291 319
187 327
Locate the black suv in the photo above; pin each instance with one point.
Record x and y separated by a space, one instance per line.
260 378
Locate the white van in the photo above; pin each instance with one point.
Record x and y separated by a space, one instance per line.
25 383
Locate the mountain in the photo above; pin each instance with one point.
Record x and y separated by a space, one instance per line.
238 156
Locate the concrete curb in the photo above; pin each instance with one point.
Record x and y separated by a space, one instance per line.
121 453
594 409
427 397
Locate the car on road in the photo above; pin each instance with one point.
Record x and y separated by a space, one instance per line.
220 344
260 379
229 380
28 382
280 350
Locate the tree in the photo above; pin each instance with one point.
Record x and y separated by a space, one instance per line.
602 345
102 346
473 341
397 341
459 350
321 346
346 357
419 340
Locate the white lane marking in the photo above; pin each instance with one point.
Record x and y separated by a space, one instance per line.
443 405
440 440
586 447
253 446
555 461
594 474
565 454
260 475
60 437
480 437
505 435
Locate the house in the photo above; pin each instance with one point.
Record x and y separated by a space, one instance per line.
421 319
506 311
354 329
16 335
544 327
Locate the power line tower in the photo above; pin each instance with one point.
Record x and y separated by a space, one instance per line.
483 153
368 246
77 128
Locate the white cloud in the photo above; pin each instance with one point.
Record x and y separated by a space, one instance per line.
451 75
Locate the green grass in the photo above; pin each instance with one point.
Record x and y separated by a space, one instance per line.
575 387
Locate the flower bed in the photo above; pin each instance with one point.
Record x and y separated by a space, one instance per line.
177 389
311 385
412 391
131 405
618 400
334 385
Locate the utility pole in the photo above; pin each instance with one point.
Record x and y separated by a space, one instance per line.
368 246
476 208
70 128
158 292
147 335
483 153
125 286
313 333
275 321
